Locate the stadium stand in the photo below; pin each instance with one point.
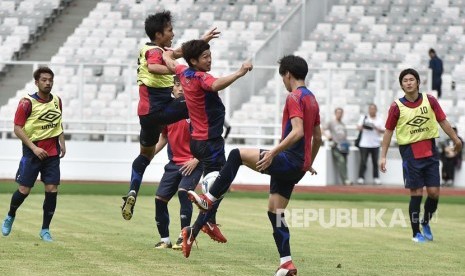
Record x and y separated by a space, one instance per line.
354 38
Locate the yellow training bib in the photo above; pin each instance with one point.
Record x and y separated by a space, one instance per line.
147 78
45 119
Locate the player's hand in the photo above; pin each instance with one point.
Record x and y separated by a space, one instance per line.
246 67
266 157
62 151
188 167
213 33
458 146
382 165
312 171
40 153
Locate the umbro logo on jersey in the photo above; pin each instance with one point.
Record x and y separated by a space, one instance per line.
50 116
418 121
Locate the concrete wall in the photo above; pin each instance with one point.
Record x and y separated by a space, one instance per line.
98 161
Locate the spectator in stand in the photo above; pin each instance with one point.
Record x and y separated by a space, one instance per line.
435 64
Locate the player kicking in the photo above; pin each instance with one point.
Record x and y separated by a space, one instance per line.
287 163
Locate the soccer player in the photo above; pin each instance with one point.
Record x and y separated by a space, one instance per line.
206 112
415 118
182 174
287 162
37 124
156 106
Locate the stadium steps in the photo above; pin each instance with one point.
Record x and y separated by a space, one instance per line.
45 46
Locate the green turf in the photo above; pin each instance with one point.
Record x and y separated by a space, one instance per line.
91 238
149 189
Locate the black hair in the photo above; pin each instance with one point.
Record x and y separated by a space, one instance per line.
193 49
156 23
411 72
295 65
176 79
42 70
432 51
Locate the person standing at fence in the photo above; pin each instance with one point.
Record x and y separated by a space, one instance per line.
451 160
435 64
156 106
336 132
371 127
415 118
37 124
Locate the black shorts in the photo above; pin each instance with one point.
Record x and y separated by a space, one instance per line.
422 172
210 153
285 171
172 180
152 124
31 166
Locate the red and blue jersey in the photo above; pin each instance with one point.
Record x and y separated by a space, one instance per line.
206 110
423 148
301 103
51 145
179 138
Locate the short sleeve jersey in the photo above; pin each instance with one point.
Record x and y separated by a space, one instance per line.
206 110
51 145
393 116
178 135
301 103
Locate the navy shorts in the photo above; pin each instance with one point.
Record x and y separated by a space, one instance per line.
285 171
172 180
419 173
210 153
152 124
31 166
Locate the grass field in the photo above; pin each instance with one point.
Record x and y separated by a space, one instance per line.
91 238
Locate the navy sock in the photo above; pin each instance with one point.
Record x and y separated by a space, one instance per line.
431 205
50 203
185 211
205 217
281 234
162 218
16 200
414 213
138 168
227 174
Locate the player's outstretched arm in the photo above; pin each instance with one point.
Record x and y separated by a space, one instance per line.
170 61
223 82
295 135
211 34
384 149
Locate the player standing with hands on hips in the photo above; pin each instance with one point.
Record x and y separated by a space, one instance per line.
415 118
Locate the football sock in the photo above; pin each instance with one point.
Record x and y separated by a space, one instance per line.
431 205
205 217
50 203
16 200
414 213
162 217
284 259
227 174
280 234
185 211
138 168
